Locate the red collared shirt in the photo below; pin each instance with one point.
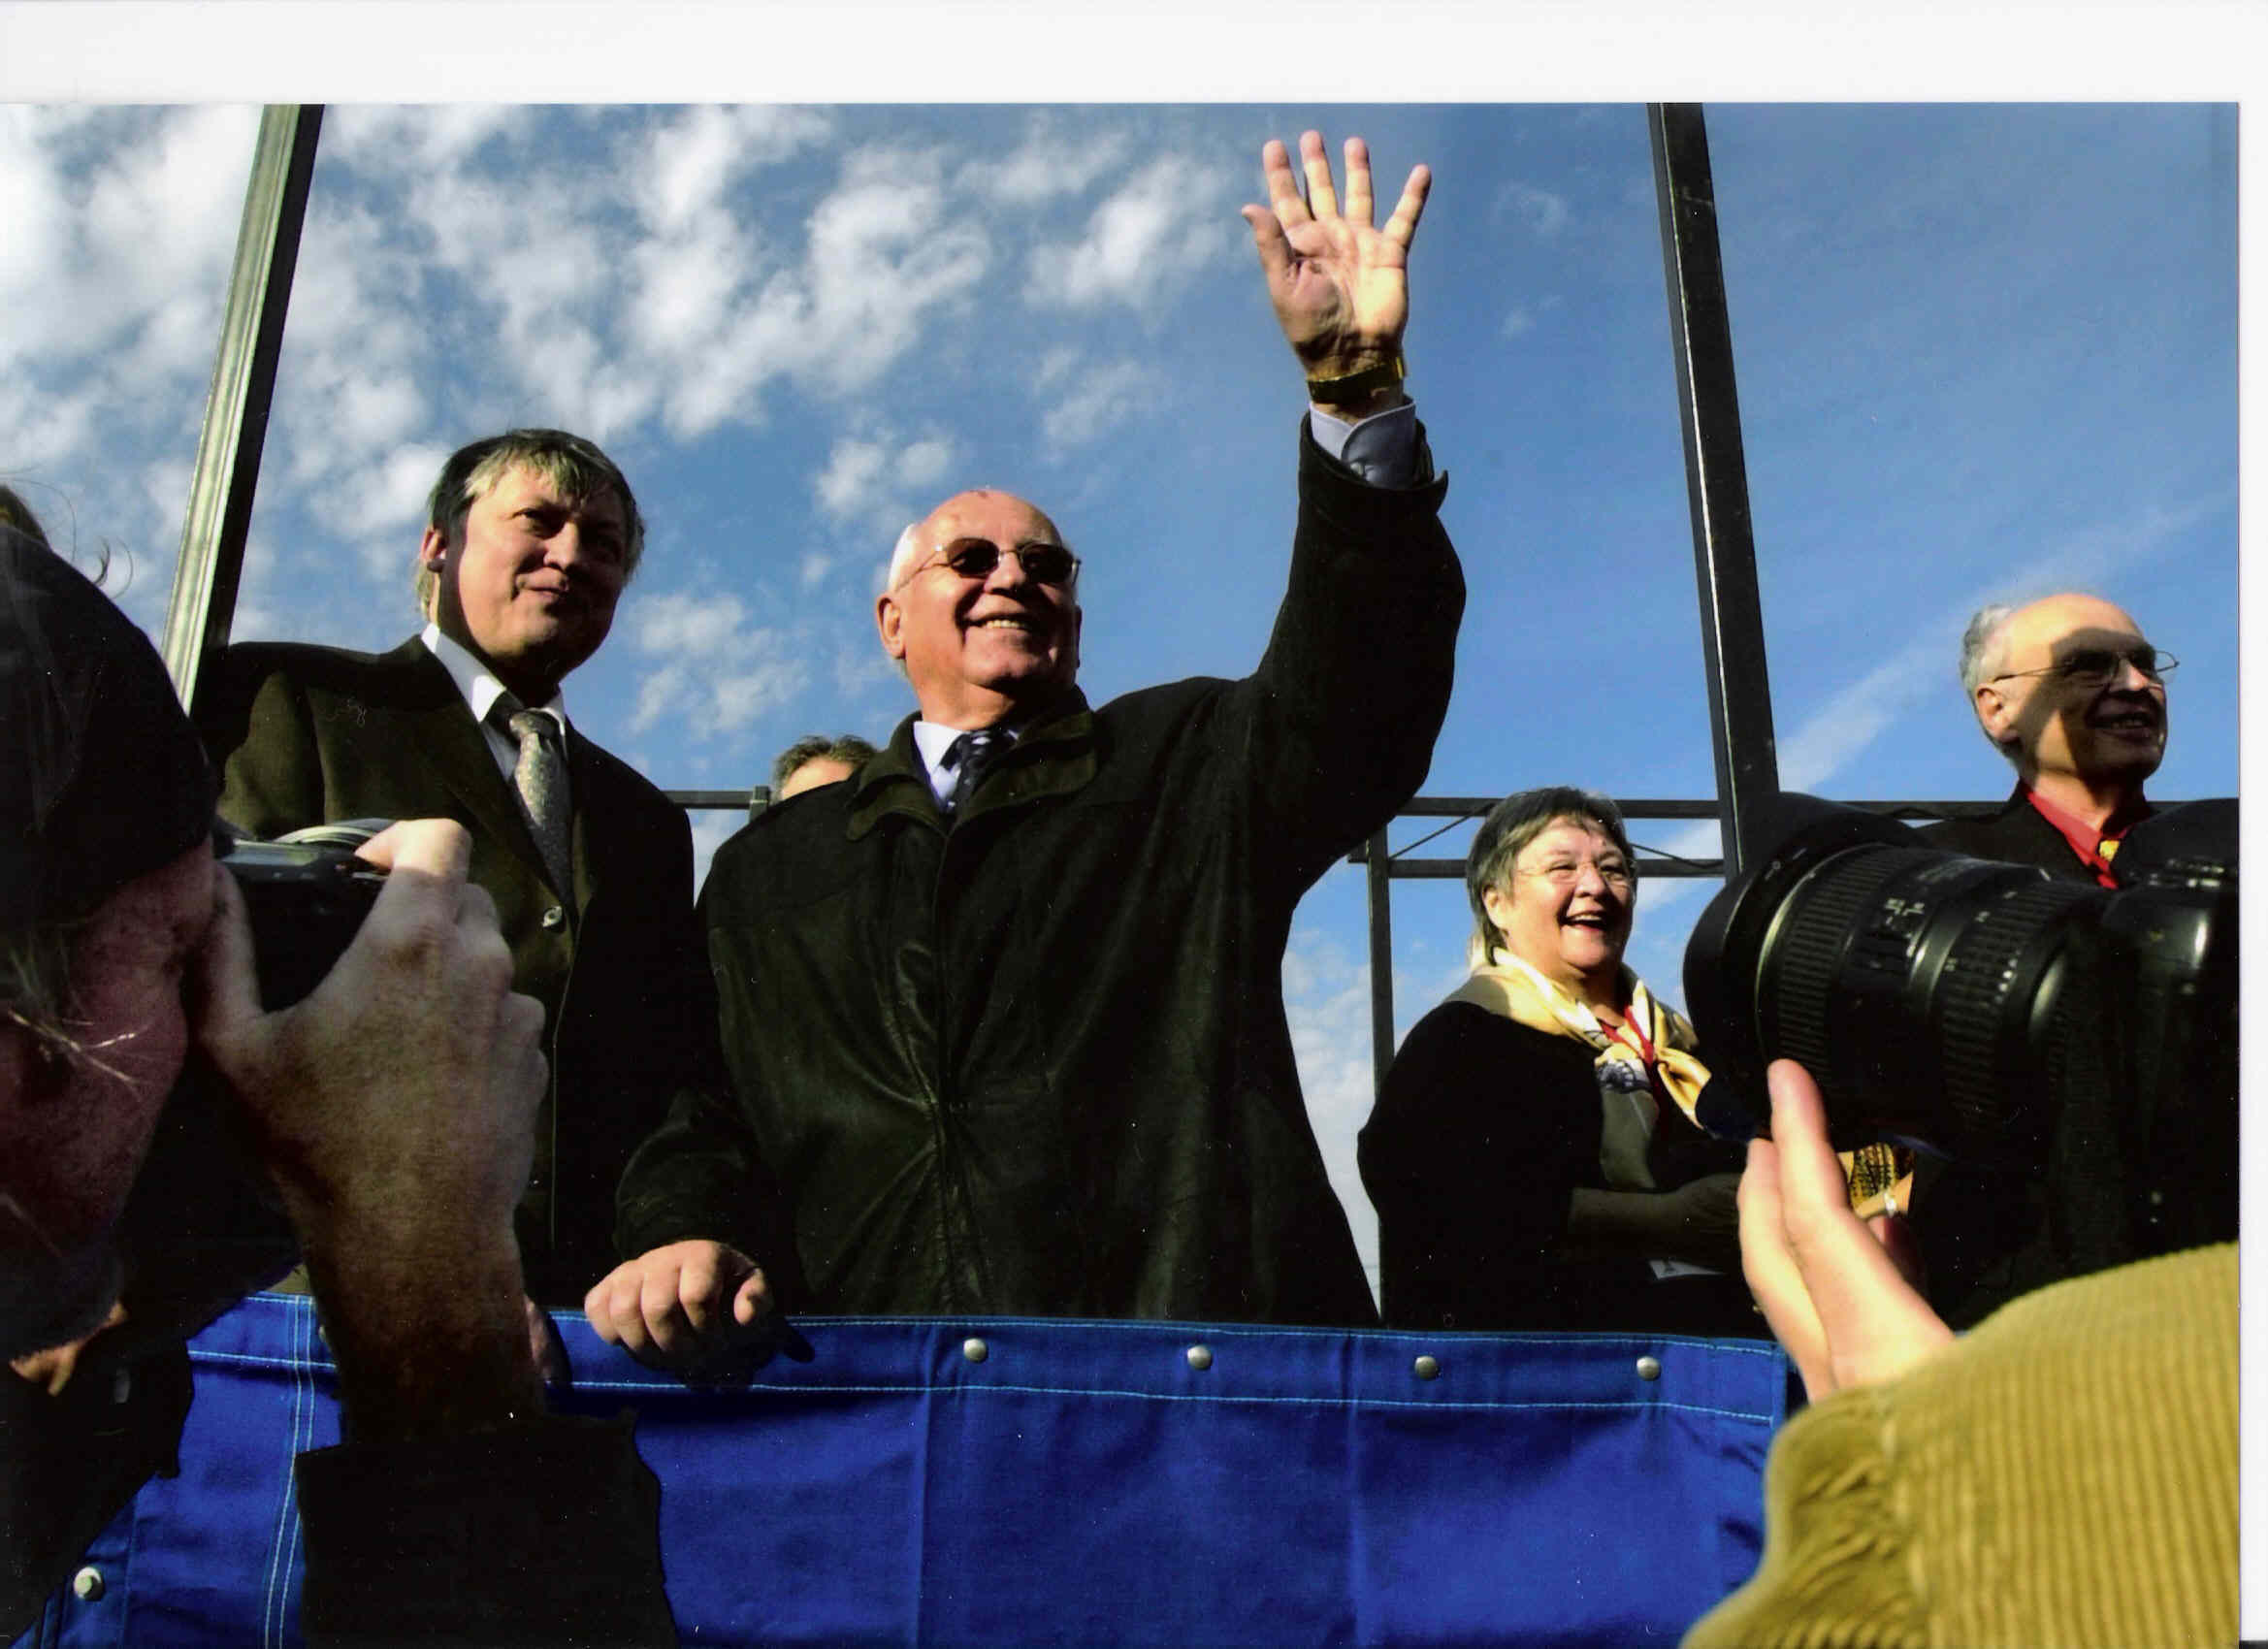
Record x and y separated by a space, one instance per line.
2095 848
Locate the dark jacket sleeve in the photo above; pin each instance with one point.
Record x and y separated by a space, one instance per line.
1471 1157
546 1532
702 1173
1355 682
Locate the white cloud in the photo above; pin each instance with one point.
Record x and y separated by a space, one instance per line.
1098 399
1045 165
162 220
1326 999
1060 361
861 669
883 254
923 463
686 284
1519 321
689 163
1327 1002
721 673
854 469
878 482
405 481
698 627
412 141
1543 213
1141 243
711 831
665 690
1836 734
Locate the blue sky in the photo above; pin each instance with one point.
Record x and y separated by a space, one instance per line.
1983 349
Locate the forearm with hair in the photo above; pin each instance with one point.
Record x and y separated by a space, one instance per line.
429 1343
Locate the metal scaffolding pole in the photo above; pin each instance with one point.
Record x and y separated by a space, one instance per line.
1716 474
244 384
1378 872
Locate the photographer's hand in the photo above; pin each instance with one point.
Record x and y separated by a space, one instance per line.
395 1107
1832 1293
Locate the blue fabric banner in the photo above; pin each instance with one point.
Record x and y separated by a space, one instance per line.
998 1482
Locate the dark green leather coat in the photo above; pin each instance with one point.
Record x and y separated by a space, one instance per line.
1037 1064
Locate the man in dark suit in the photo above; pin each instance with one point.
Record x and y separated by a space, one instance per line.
530 536
2068 690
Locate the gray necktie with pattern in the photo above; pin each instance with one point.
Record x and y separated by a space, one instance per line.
542 779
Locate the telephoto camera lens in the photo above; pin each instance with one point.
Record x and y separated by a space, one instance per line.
1938 1000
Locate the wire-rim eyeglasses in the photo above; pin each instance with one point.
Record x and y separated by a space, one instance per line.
2099 667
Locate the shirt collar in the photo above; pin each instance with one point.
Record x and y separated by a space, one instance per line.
2086 842
476 683
932 739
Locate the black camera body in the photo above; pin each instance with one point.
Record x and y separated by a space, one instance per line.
1988 1013
308 895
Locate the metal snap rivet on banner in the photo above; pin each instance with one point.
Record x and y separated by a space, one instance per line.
87 1584
975 1350
1427 1366
1649 1367
1200 1357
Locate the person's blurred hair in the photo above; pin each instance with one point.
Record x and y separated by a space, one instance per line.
575 465
849 748
1509 827
15 513
35 957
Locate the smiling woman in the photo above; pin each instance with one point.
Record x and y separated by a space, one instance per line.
1533 1155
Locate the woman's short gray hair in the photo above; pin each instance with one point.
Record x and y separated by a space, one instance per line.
1508 830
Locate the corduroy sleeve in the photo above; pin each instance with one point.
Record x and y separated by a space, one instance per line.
2066 1474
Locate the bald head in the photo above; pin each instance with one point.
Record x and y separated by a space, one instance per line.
980 643
2061 686
919 538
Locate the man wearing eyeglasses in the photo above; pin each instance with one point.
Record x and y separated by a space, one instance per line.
2068 690
1005 1010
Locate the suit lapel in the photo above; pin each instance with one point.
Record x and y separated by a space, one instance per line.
592 823
438 726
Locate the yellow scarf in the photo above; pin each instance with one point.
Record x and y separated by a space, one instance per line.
1627 1081
1880 1175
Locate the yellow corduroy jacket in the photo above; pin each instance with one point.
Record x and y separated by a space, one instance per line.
2065 1474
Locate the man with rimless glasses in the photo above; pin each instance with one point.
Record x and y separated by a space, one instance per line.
2068 690
1005 1009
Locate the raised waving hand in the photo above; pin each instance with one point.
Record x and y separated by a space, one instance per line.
1340 286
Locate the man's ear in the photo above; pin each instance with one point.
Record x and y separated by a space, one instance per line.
890 620
1997 715
433 549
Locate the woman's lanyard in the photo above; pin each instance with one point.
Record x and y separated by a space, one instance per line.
1631 1035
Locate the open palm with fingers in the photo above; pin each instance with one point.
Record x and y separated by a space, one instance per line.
1340 286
